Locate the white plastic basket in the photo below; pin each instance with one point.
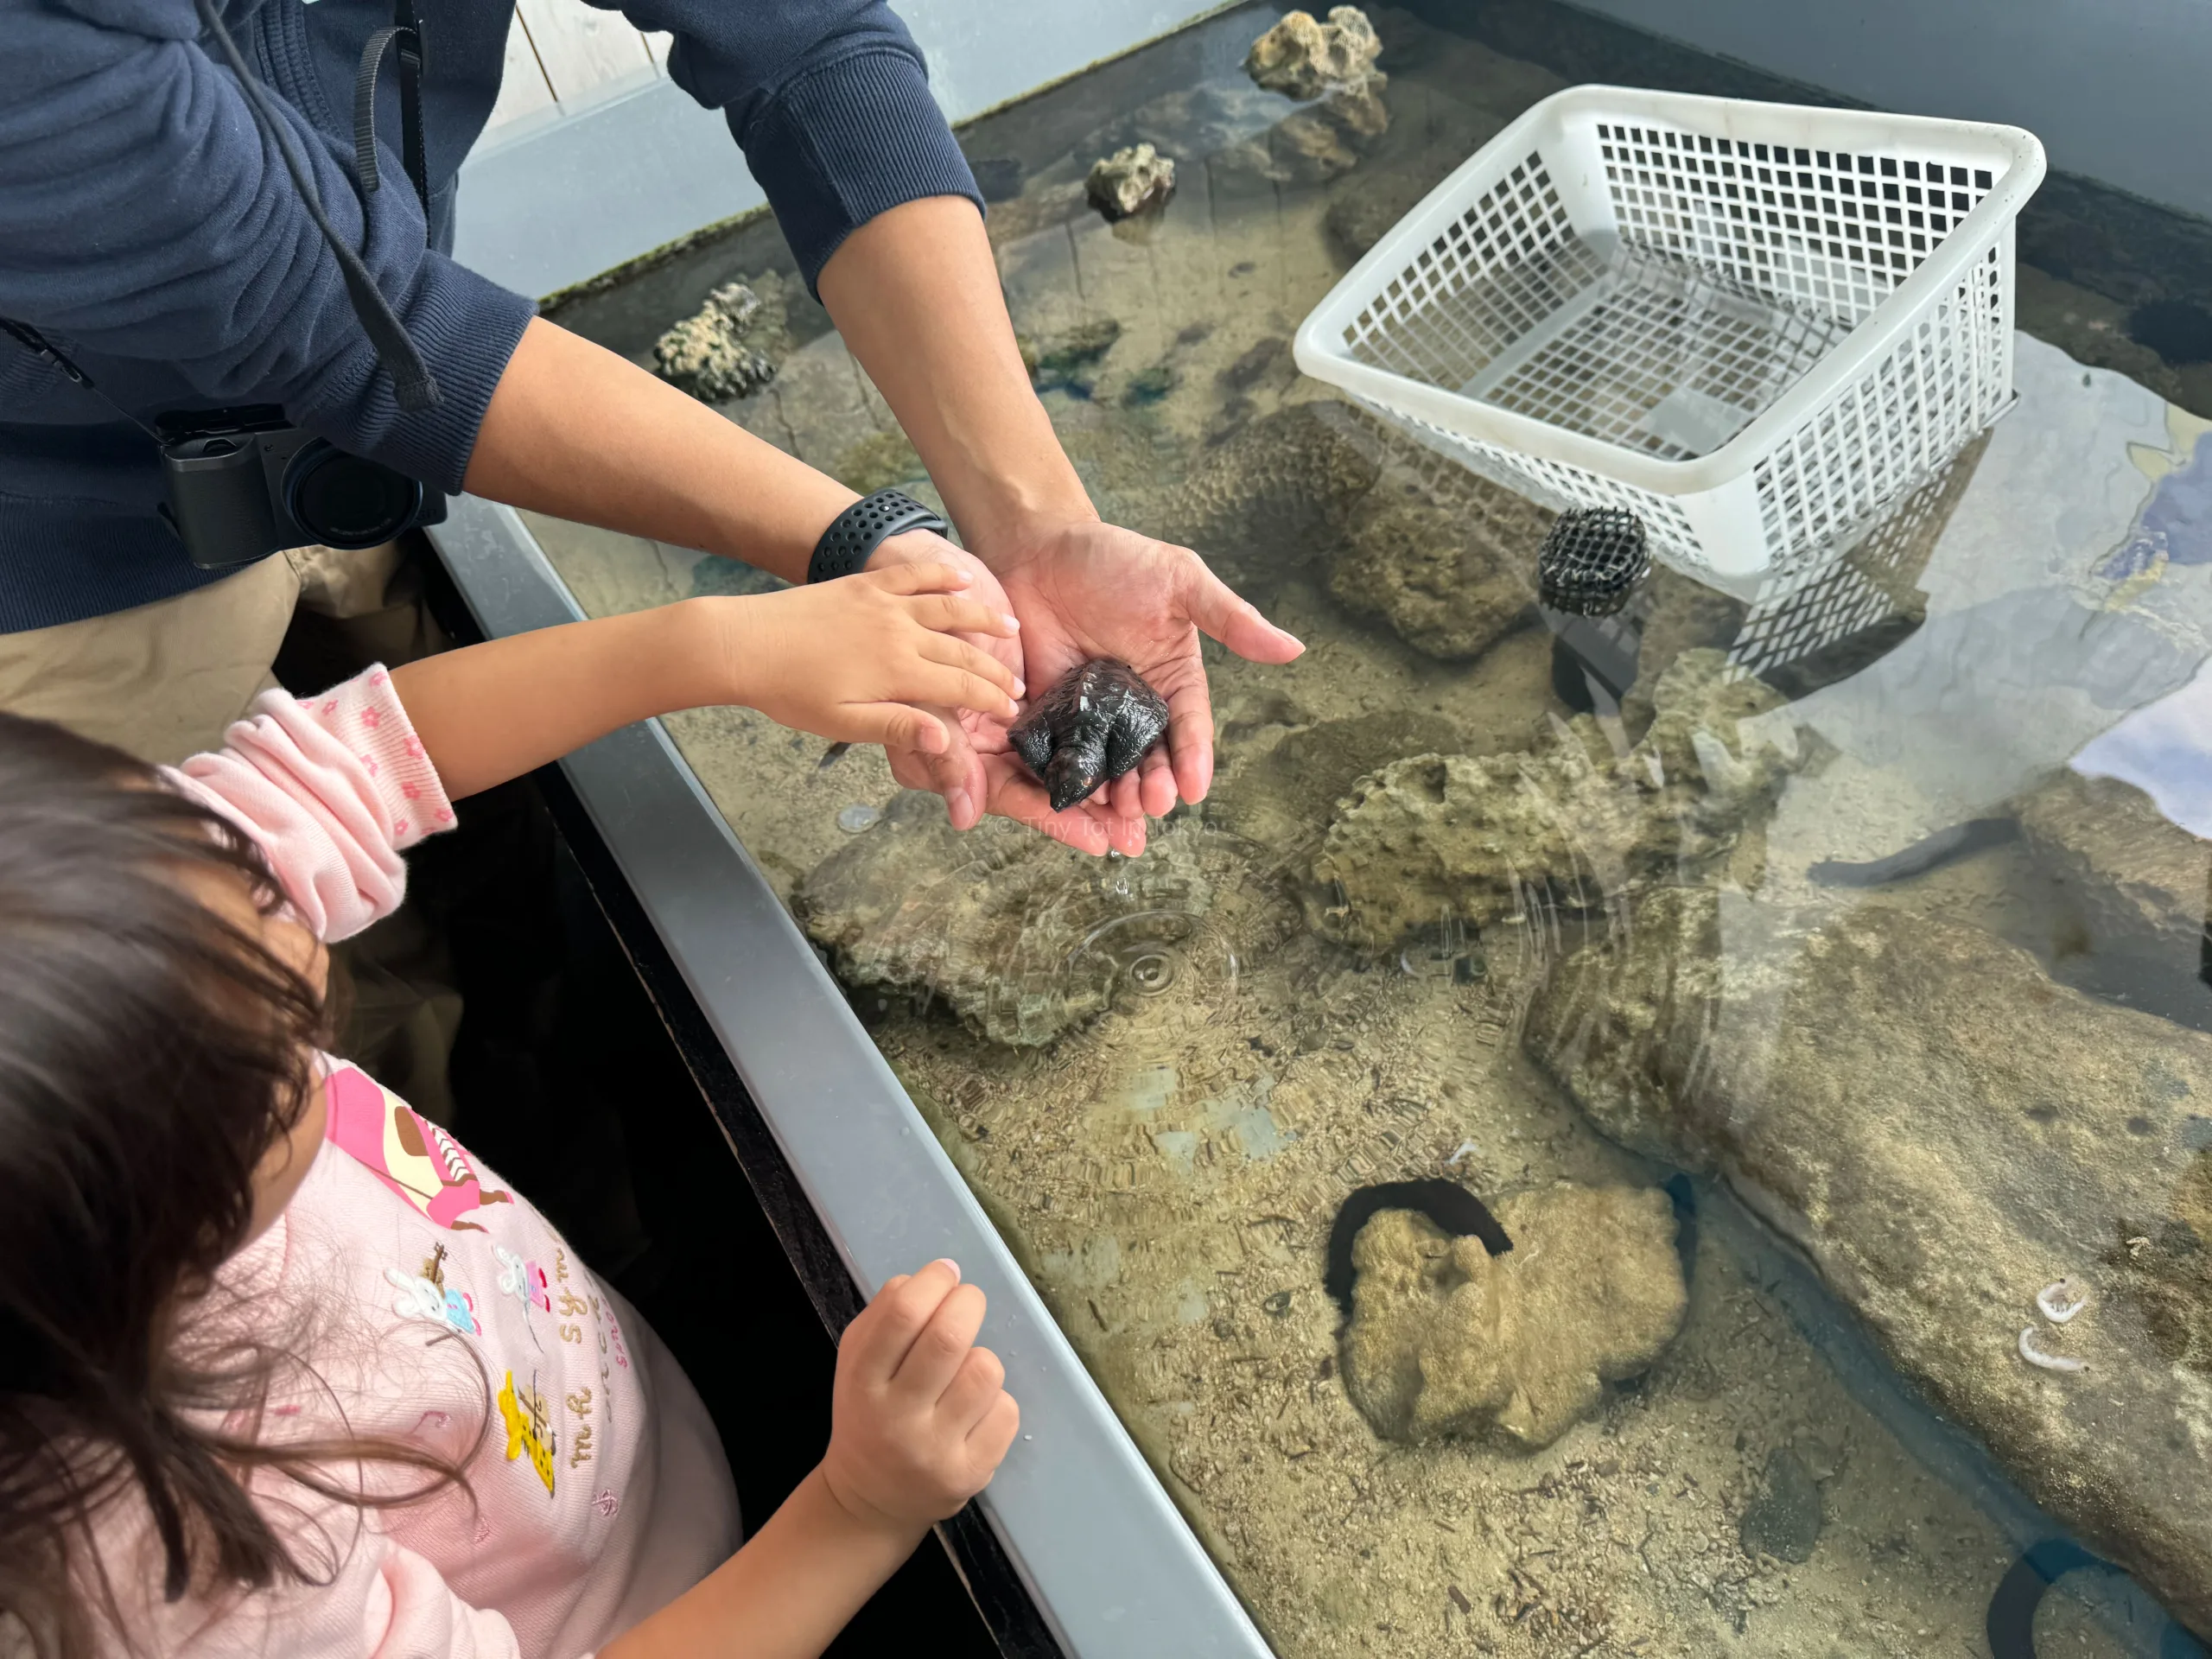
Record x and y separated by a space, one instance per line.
1757 326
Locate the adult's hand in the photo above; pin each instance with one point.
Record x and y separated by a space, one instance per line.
1082 589
979 771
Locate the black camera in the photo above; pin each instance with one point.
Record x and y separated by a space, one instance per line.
244 483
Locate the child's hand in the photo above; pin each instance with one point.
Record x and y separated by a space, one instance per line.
919 1419
851 660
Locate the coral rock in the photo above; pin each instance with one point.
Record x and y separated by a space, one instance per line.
1302 58
1943 1130
1020 937
1278 492
1476 838
721 352
1334 63
1450 582
1446 1339
1285 795
1130 182
1420 544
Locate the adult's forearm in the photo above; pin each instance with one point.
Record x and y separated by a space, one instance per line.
575 431
794 1585
915 293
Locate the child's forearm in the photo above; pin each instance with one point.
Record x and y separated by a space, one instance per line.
491 712
785 1594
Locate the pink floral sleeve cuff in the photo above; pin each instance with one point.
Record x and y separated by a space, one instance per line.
366 714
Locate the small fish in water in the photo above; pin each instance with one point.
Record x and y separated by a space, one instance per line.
1091 727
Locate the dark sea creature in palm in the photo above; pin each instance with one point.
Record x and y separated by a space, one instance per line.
1089 730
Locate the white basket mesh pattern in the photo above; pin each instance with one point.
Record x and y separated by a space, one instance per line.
1660 333
1498 271
1836 603
1825 229
1893 427
1552 483
1801 610
1649 286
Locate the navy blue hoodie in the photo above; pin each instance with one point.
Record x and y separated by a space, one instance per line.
147 228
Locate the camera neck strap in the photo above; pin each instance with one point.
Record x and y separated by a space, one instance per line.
413 386
406 35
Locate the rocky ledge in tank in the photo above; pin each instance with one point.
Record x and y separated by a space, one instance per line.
1022 938
2123 906
1446 1339
1446 560
1578 821
1946 1133
2138 879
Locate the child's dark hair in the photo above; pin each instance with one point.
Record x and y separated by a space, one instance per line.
150 1054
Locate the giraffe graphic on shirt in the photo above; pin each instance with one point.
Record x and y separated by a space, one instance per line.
528 1432
404 1150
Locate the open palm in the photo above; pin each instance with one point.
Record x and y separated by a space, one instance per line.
1082 590
1090 589
980 772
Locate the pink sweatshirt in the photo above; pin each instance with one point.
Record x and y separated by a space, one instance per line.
444 1301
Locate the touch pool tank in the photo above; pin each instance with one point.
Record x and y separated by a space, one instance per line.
1797 986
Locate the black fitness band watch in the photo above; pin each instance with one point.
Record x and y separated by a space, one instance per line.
856 532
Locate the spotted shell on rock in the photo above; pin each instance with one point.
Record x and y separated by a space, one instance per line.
1092 727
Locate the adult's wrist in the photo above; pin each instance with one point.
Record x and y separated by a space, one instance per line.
910 547
1022 519
853 540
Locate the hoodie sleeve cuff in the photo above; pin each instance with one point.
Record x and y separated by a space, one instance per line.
846 142
466 327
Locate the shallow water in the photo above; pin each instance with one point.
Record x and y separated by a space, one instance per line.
1637 919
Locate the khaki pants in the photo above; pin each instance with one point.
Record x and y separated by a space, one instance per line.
161 680
164 681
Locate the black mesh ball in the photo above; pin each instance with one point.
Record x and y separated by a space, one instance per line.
1592 560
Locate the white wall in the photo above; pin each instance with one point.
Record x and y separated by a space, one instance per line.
594 157
563 56
2119 90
